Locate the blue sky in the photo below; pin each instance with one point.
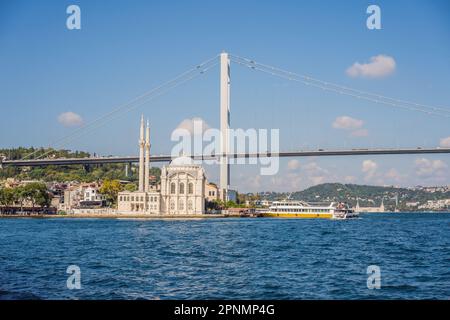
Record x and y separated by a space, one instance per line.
126 48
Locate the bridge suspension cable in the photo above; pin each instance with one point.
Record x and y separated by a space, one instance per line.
329 86
182 78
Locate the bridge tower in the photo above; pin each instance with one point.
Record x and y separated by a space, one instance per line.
224 124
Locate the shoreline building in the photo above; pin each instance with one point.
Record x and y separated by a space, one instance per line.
182 190
145 199
84 195
379 209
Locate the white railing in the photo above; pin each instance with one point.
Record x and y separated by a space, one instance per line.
92 211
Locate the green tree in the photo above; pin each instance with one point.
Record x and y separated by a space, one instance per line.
213 205
110 189
36 193
7 197
19 195
131 187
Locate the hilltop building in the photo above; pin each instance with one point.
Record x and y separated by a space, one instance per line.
183 188
379 209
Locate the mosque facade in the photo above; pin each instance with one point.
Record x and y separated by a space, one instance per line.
183 189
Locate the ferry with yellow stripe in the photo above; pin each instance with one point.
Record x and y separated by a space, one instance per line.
301 209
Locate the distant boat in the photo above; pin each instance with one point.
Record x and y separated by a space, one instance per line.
301 209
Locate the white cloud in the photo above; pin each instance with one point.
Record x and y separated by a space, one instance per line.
360 133
70 119
369 167
317 179
351 124
314 168
349 179
293 164
294 179
347 123
445 142
393 174
315 173
379 66
193 126
429 168
255 181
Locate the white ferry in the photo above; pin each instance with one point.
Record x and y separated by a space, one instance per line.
301 209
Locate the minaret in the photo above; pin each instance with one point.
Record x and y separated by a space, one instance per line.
141 156
147 158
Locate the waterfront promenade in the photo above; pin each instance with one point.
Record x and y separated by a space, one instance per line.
123 216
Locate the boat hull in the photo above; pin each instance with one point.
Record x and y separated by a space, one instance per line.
298 215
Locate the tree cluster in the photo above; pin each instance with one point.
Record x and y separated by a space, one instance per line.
34 194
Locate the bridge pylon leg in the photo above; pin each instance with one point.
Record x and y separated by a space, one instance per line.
127 169
224 182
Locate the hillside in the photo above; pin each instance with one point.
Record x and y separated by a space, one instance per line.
64 173
367 195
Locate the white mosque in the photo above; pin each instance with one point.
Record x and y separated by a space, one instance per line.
183 190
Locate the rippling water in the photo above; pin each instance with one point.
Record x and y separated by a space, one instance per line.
257 258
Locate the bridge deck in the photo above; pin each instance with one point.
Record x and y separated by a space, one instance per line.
168 158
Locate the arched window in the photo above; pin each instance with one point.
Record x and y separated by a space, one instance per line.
172 188
182 188
181 205
190 188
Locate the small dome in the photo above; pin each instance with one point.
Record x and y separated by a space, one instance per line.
183 160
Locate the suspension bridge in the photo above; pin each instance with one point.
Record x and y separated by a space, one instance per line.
168 158
224 156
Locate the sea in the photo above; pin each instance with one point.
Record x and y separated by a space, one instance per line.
377 256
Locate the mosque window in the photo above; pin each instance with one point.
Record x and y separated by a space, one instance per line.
190 188
189 205
172 188
181 205
182 188
172 205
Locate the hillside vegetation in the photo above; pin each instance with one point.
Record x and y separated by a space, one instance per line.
64 173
